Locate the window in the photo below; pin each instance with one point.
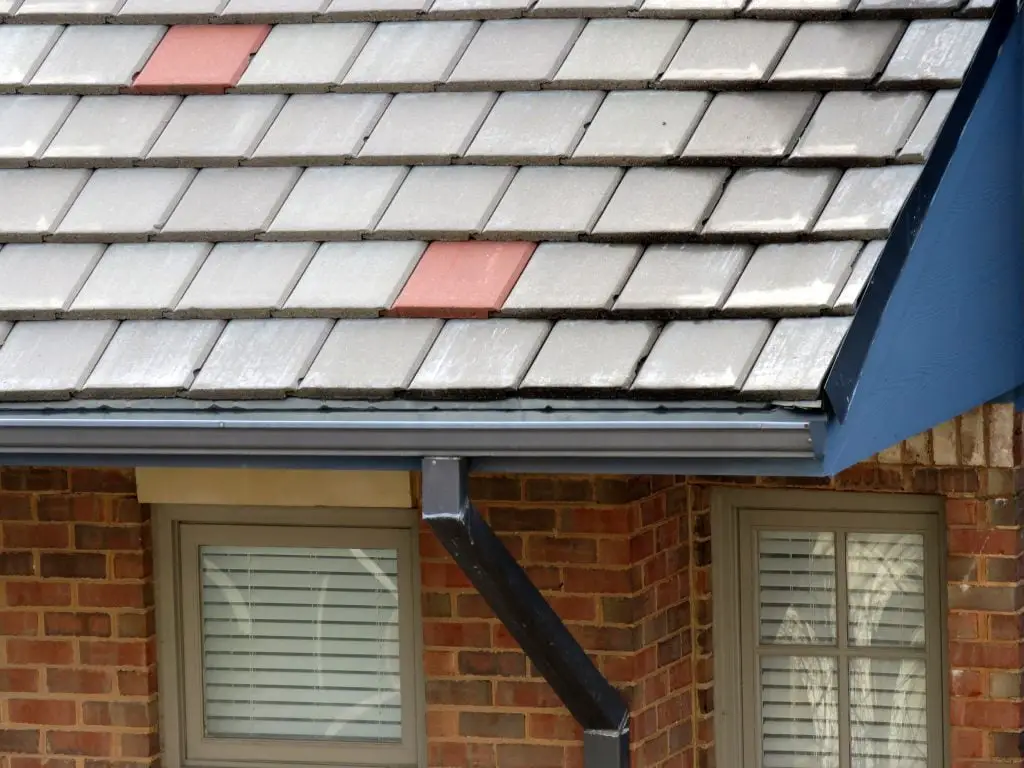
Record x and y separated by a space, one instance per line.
288 636
828 631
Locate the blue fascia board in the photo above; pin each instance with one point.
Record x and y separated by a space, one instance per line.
950 328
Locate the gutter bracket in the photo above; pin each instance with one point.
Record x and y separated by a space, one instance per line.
530 619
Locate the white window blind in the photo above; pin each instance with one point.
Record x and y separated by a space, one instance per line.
301 643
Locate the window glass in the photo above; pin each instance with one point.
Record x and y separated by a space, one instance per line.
797 579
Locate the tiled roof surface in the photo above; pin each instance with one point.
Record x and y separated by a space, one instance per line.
454 198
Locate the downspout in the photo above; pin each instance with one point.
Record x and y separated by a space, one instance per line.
503 583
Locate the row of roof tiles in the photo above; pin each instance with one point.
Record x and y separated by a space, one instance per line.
505 54
377 358
450 203
586 127
408 278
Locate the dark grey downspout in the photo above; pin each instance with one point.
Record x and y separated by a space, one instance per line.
503 583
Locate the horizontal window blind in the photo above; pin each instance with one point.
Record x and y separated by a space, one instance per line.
799 712
301 643
888 715
797 577
885 579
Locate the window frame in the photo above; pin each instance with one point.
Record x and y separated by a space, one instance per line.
179 531
735 515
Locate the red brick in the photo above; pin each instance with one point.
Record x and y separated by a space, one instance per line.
526 694
108 537
127 714
594 520
964 541
17 564
129 565
965 683
114 654
18 740
444 576
598 581
78 624
991 715
30 593
35 536
42 711
21 651
498 664
453 634
494 725
554 549
136 624
43 762
553 727
964 511
139 744
86 743
33 479
200 58
18 680
59 680
86 508
73 565
530 756
466 693
574 607
115 595
18 623
132 683
89 480
15 506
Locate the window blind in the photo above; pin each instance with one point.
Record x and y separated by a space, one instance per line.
886 586
888 713
797 587
799 712
301 643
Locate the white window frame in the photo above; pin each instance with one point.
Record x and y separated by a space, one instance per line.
179 531
734 513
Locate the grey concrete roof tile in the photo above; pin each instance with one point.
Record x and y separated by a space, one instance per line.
230 203
590 354
860 125
5 328
919 146
555 203
376 10
641 126
794 277
75 11
797 356
456 360
111 130
534 126
36 199
370 356
139 280
572 276
585 8
23 47
444 202
866 201
273 10
978 7
801 8
9 6
870 6
662 200
260 358
41 280
99 213
245 279
304 57
734 50
772 201
152 358
97 58
935 52
621 52
427 127
410 55
691 8
849 51
170 11
859 276
332 203
516 53
28 124
47 360
353 279
755 125
684 277
215 130
710 355
321 128
479 9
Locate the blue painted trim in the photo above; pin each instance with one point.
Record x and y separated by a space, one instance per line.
950 335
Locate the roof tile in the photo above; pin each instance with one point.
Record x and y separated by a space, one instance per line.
620 52
411 55
377 10
260 358
684 277
5 328
696 8
370 356
935 52
919 146
661 200
110 130
479 9
144 280
97 58
830 51
100 211
797 356
47 361
590 354
758 125
572 276
154 358
245 279
28 124
584 7
354 279
200 58
859 276
552 203
336 203
273 10
61 11
305 57
772 201
468 279
866 201
534 126
444 202
517 53
798 7
455 363
710 355
170 11
905 5
36 199
41 280
230 203
737 50
427 127
23 47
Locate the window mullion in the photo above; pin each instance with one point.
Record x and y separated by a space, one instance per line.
843 643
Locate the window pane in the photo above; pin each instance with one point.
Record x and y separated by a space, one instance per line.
799 712
797 577
301 643
885 573
887 713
